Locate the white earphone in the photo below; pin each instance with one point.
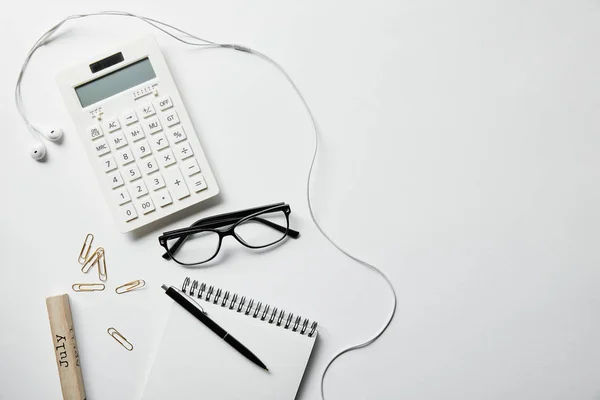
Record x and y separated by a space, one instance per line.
38 151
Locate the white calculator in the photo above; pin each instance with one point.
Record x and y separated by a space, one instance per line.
137 134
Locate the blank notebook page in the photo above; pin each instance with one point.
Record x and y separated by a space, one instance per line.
193 362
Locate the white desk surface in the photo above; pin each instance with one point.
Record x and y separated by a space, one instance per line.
460 153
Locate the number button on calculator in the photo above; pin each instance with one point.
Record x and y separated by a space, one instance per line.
109 163
128 212
142 149
122 196
149 165
139 189
125 156
157 182
146 205
133 173
115 179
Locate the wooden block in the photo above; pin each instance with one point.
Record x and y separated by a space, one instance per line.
65 347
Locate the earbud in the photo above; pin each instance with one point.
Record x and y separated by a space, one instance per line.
53 134
38 151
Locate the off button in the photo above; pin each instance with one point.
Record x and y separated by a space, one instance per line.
164 103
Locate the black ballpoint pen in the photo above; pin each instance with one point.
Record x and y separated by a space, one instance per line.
188 303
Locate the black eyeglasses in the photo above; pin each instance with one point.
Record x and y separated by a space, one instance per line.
255 228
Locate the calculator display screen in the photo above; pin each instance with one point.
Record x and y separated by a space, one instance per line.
115 82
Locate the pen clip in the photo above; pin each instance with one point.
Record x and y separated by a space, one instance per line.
191 300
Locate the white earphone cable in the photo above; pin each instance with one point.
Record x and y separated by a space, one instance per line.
208 44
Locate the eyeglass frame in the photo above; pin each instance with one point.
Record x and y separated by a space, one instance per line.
232 218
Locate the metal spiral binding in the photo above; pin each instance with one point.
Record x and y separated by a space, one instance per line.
248 307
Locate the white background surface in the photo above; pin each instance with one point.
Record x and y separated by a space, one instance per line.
460 144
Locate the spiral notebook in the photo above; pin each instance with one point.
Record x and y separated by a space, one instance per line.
193 362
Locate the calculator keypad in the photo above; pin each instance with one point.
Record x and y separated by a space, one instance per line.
151 164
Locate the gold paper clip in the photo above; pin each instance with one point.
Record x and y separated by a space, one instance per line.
129 286
102 274
88 287
89 263
85 249
120 338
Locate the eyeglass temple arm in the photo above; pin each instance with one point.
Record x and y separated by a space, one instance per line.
234 215
217 224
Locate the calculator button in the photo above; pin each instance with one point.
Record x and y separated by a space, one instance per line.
125 156
142 149
190 167
197 183
163 198
149 165
164 103
156 182
109 163
112 125
171 118
176 183
115 179
132 173
135 132
129 117
153 125
101 147
94 132
139 189
118 140
146 110
128 212
176 135
159 141
146 205
122 196
166 158
183 151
